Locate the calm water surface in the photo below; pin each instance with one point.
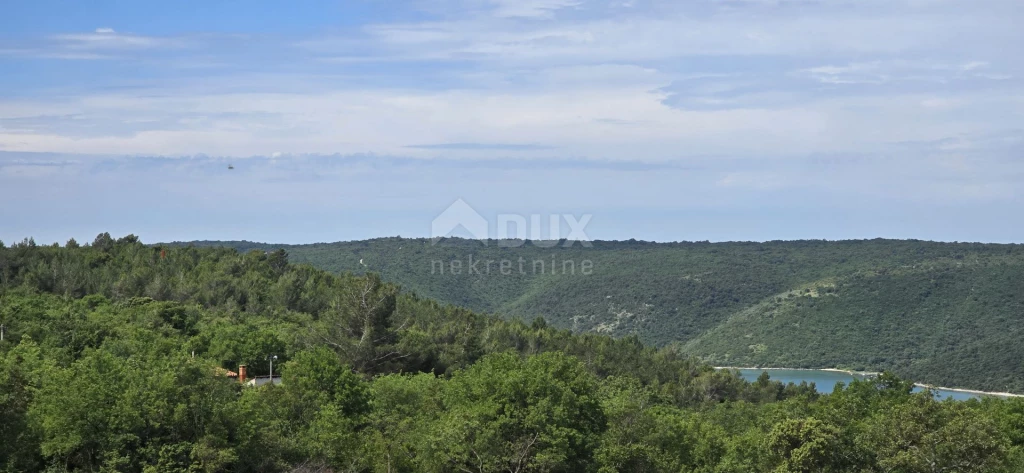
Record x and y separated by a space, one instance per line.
826 381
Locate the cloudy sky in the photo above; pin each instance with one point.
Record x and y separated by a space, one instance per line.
664 120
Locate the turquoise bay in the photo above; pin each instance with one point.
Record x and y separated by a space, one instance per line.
825 380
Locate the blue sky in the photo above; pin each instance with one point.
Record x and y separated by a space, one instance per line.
665 120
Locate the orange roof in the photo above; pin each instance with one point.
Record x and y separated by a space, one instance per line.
225 372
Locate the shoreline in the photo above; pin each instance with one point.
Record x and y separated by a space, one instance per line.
835 370
875 373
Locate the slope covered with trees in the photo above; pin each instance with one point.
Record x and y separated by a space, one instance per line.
941 313
114 355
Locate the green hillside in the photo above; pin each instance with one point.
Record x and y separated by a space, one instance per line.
115 357
942 313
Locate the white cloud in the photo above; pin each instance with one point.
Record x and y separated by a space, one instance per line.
570 116
678 30
854 73
110 40
881 72
970 66
387 121
560 73
531 8
102 43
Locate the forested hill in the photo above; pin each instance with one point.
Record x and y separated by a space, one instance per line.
115 356
949 314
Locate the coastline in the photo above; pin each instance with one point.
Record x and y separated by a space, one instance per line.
836 370
875 373
969 391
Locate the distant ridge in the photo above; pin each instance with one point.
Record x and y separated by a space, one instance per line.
949 314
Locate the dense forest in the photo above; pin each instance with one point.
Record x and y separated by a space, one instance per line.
117 356
947 314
